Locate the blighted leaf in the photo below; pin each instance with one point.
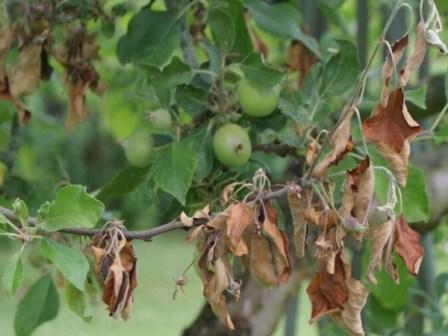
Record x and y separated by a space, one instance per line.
341 144
358 191
240 217
328 293
72 207
382 240
416 59
26 70
350 316
297 205
174 168
6 36
266 263
76 300
12 275
408 246
69 261
391 127
39 305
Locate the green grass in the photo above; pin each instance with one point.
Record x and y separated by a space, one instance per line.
154 312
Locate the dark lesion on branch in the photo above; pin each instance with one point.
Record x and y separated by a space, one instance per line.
278 149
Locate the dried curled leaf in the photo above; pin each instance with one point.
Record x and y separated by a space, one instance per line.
358 192
408 246
240 217
327 292
298 205
341 144
391 127
116 268
382 241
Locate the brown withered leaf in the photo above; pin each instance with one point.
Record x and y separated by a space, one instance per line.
26 70
216 275
358 191
341 144
382 242
328 293
298 205
240 217
391 127
329 244
300 59
257 43
350 316
271 229
408 247
416 59
324 219
266 263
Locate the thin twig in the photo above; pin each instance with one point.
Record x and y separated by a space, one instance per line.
148 233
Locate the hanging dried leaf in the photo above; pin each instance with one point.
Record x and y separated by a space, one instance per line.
416 59
382 242
328 293
350 316
298 205
329 244
392 127
358 192
240 217
26 70
216 275
408 246
116 268
341 144
6 36
266 263
257 43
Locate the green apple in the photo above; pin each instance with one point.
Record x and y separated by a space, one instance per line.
160 119
139 148
256 101
231 145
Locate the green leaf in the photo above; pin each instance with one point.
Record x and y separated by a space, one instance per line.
242 44
4 222
76 301
174 168
152 37
202 142
39 305
21 211
332 14
69 261
12 276
417 96
258 73
341 71
222 27
123 182
415 195
72 207
281 20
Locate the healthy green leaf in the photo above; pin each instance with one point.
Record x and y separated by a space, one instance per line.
331 12
39 305
72 207
258 73
69 261
446 85
174 168
242 44
3 222
222 27
12 276
417 96
152 37
21 211
76 301
123 182
281 20
341 71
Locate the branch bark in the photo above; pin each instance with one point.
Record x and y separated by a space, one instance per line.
148 233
